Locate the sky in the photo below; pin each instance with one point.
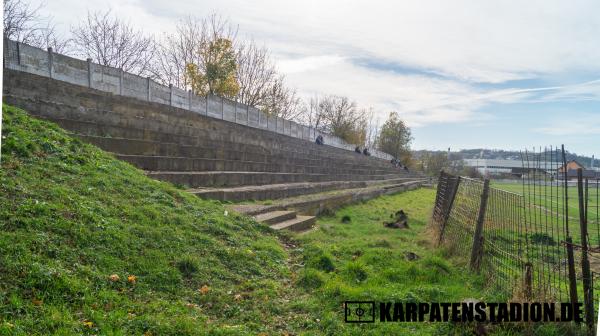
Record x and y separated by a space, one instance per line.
463 74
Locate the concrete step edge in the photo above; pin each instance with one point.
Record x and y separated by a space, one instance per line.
299 223
275 217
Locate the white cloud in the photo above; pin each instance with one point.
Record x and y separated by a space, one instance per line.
302 64
571 127
472 40
467 42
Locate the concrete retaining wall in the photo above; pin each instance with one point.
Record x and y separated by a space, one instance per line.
24 58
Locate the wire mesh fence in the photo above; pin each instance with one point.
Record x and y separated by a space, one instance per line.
457 232
537 238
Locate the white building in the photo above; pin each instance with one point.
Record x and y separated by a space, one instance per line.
514 167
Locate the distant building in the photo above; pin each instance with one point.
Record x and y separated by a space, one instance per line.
516 168
571 165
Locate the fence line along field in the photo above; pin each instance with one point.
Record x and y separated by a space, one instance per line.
537 239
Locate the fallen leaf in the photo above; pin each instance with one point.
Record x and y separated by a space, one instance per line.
204 289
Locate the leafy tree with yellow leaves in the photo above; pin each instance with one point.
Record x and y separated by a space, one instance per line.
217 75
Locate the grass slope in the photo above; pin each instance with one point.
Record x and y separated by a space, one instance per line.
71 216
364 261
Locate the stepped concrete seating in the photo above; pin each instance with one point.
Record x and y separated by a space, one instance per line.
312 205
283 219
214 158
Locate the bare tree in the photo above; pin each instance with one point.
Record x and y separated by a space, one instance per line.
339 116
256 73
372 130
259 83
182 47
24 23
110 41
177 50
281 101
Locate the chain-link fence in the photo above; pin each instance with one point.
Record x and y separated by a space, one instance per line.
538 240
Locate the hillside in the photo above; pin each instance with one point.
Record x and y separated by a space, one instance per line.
91 244
499 154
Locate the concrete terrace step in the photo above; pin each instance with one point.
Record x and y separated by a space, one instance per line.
278 191
86 128
173 125
244 178
224 151
169 163
193 137
136 147
56 99
275 217
314 204
300 223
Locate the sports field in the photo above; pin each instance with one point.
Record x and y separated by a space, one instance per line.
545 203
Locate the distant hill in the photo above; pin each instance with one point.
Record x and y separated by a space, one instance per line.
499 154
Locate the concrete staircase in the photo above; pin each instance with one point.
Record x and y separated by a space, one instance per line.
213 158
283 219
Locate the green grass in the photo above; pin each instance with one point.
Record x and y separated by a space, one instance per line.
363 260
72 216
546 198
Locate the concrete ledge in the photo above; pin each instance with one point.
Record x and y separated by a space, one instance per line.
278 191
245 178
316 204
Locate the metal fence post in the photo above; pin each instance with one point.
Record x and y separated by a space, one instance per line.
568 239
585 262
477 248
247 115
528 280
190 99
571 269
448 209
89 69
170 94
